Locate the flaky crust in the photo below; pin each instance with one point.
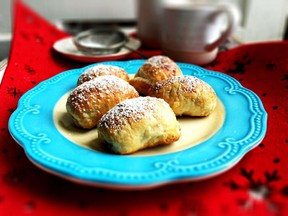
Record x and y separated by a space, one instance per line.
138 123
88 102
186 95
102 70
155 69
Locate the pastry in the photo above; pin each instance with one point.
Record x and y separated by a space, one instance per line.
186 95
138 123
101 70
92 99
155 69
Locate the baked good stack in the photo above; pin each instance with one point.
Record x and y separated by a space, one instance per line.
138 113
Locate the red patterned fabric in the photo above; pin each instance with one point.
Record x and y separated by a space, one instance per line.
257 185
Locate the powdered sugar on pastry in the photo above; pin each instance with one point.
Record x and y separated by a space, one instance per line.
155 69
187 83
101 70
139 123
92 99
127 111
186 95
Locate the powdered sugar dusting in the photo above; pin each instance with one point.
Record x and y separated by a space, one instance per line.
158 68
101 70
100 86
131 110
187 83
159 60
162 61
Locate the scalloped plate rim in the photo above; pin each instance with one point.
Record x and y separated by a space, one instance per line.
138 185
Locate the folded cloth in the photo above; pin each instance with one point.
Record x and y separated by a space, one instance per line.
257 185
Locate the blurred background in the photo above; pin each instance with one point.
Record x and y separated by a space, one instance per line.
262 20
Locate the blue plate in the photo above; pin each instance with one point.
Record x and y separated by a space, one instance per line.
32 125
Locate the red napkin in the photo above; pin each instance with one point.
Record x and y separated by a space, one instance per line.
257 185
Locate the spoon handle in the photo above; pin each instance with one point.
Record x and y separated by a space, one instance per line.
136 51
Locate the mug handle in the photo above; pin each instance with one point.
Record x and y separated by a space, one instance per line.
233 16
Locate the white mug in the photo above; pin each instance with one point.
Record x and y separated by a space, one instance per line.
193 32
149 14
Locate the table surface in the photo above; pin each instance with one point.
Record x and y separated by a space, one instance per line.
258 184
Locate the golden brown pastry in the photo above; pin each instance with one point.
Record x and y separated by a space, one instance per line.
101 70
138 123
92 99
155 69
186 95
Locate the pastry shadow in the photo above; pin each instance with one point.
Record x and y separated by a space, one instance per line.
87 138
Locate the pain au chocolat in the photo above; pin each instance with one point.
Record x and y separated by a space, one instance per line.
88 102
101 70
155 69
186 95
138 123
